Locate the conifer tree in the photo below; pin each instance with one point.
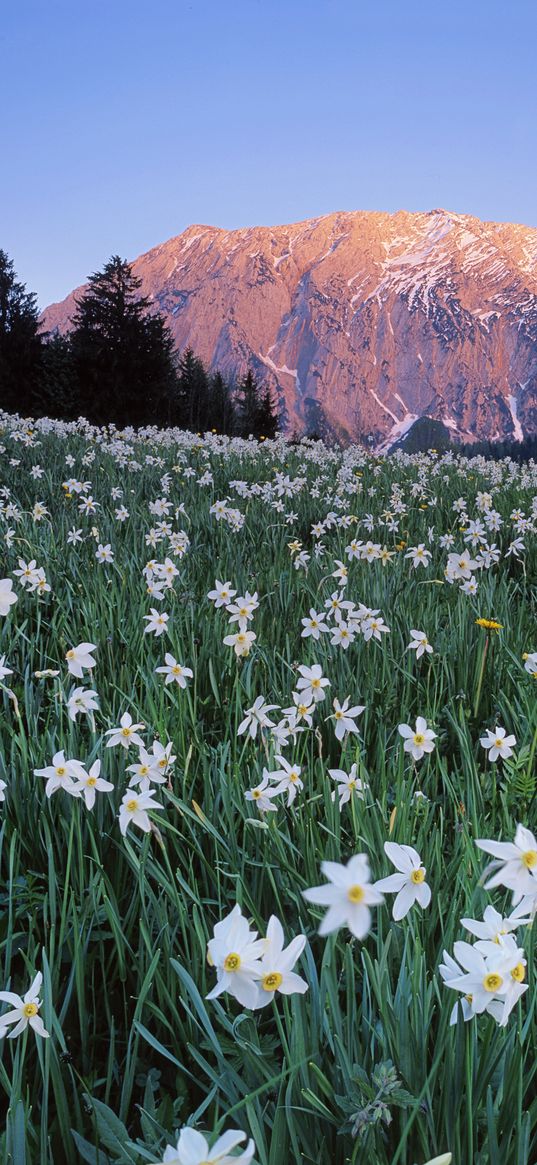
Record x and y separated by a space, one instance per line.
122 351
247 404
192 393
20 344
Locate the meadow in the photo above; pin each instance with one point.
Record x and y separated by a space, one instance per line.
228 779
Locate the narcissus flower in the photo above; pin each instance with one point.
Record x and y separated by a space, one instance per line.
235 952
126 734
517 862
344 717
7 597
348 896
419 643
276 965
193 1149
80 659
25 1011
497 743
90 783
409 884
174 672
418 740
134 808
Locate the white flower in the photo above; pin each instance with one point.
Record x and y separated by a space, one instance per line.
241 642
345 716
222 594
134 808
7 598
517 863
498 744
418 741
494 926
25 1011
193 1149
348 896
419 555
104 553
349 785
126 734
235 952
490 983
61 774
311 684
419 643
530 664
88 784
82 700
174 671
262 795
242 611
289 779
256 717
276 972
4 671
313 625
79 659
409 884
156 622
374 628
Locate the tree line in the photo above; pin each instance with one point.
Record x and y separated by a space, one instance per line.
118 364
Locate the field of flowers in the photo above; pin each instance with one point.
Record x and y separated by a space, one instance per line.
268 751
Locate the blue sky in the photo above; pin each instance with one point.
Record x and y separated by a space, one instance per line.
124 122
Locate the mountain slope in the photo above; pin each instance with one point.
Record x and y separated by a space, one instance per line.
368 319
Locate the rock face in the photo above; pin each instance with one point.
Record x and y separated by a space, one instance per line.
364 321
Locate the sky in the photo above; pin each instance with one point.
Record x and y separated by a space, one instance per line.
122 122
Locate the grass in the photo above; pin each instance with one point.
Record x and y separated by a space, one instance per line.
119 926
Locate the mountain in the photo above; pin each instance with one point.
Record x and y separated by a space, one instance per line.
361 321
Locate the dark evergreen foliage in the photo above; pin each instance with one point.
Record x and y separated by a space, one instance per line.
20 345
122 351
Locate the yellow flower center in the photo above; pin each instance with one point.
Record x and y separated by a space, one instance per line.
256 794
351 785
315 683
91 781
272 981
30 1009
126 731
70 654
519 973
418 738
232 962
529 859
60 772
417 876
338 715
356 894
176 671
293 776
492 982
132 805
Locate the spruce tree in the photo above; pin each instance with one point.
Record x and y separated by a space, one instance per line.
220 410
247 402
267 420
20 344
58 389
122 351
192 393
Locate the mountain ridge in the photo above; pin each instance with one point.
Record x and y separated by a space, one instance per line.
361 319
